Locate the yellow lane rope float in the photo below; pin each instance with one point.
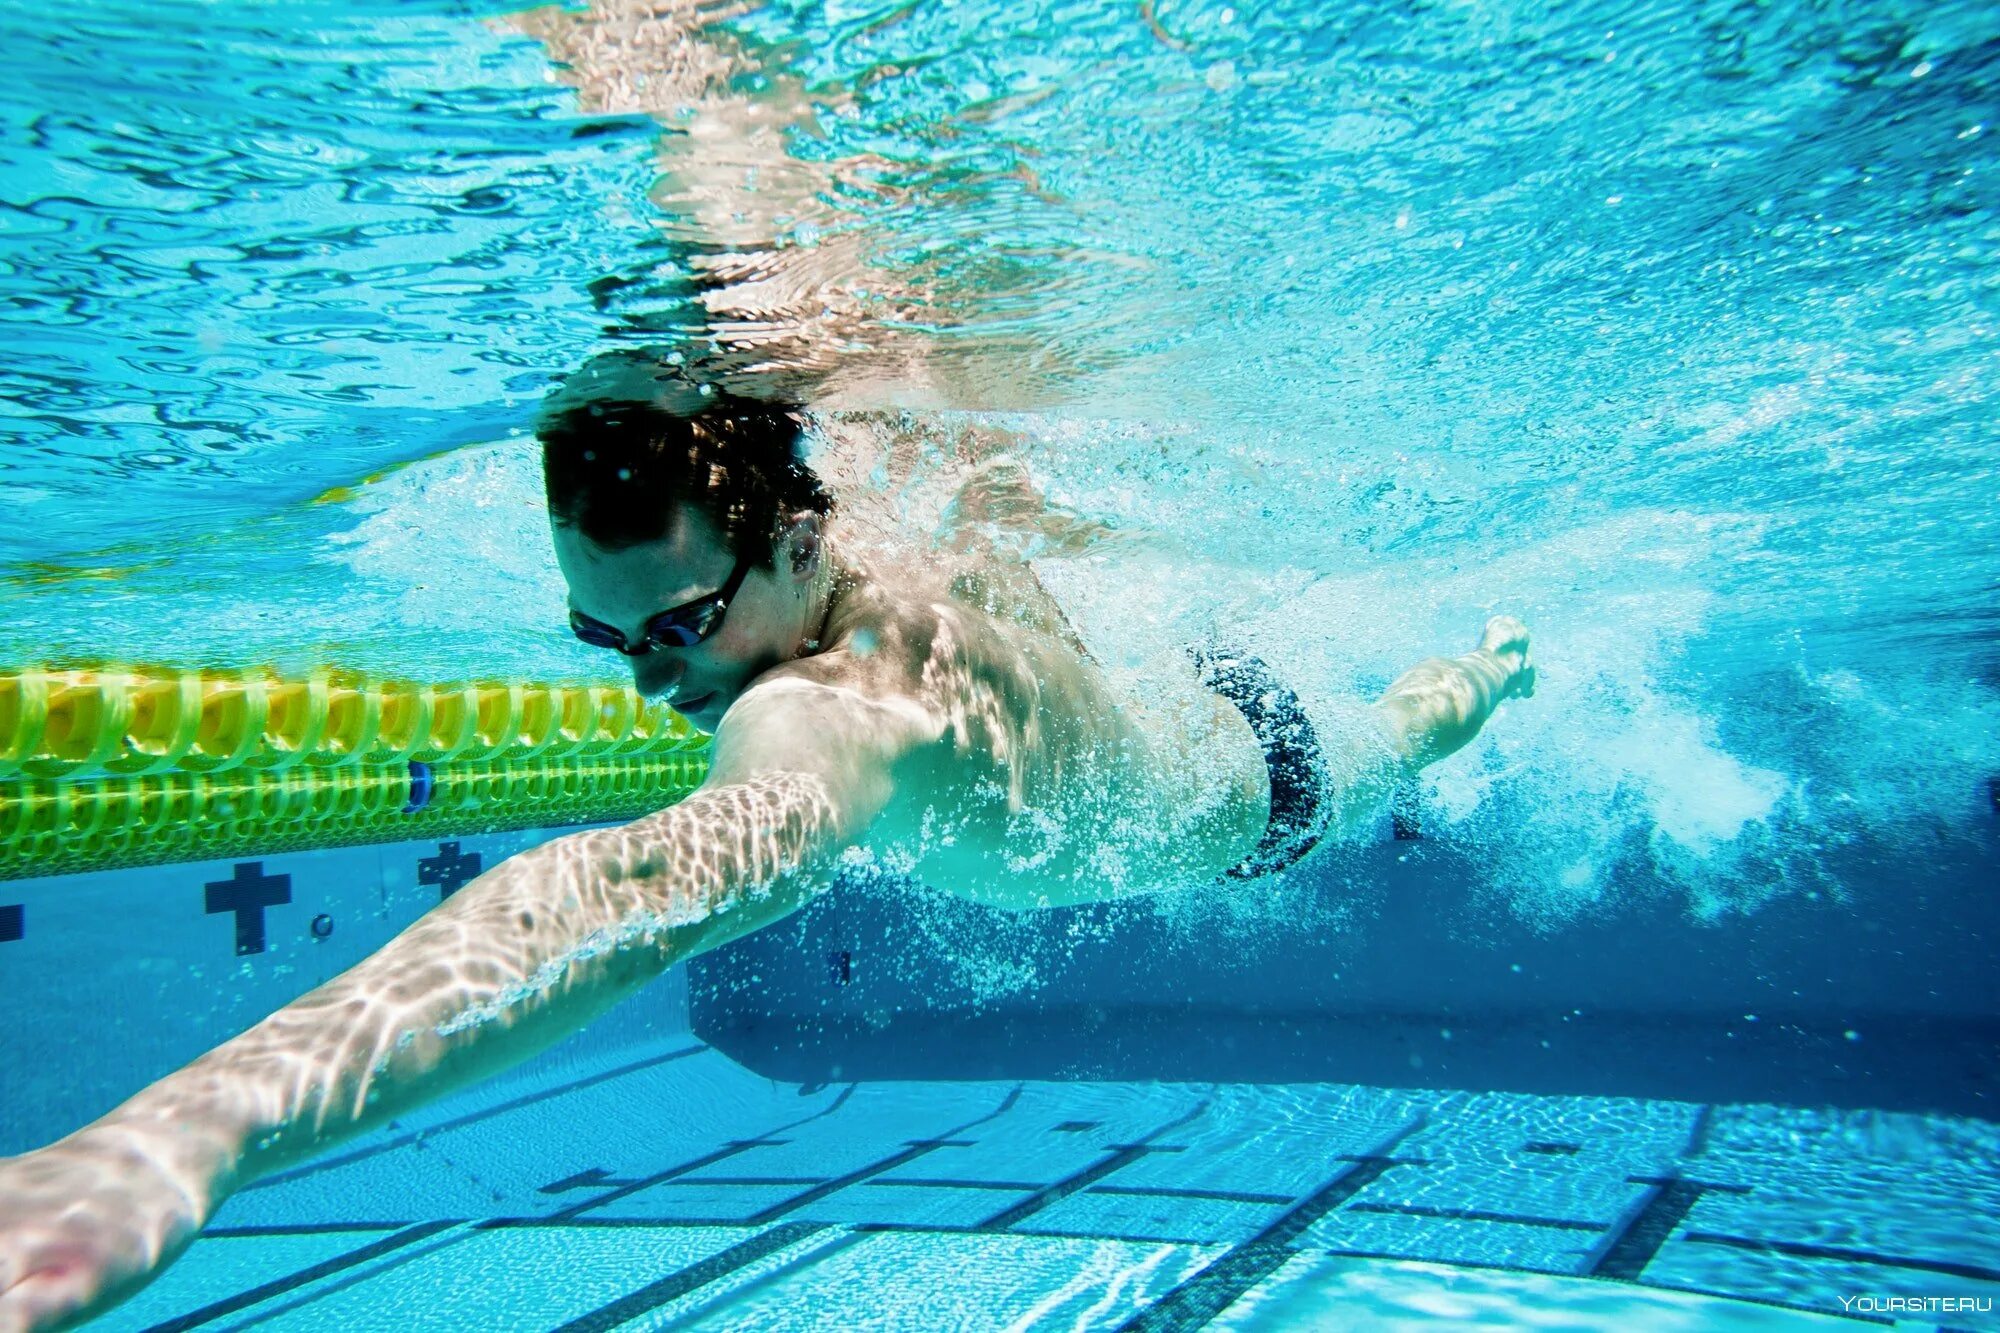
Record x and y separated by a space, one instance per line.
108 768
56 724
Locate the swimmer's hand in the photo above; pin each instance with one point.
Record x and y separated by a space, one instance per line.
1507 639
86 1222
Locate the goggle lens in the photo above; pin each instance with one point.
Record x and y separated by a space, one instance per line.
597 636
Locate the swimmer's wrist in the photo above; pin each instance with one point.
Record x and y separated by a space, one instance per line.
190 1131
187 1168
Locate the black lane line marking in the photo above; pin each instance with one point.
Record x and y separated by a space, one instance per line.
764 1140
1363 1173
1163 1192
472 1118
1697 1141
1012 1186
935 1229
242 1300
1629 1247
916 1148
1046 1195
1553 1149
299 1229
1475 1215
587 1223
1215 1288
1821 1310
692 1278
909 1154
1211 1291
749 1180
721 1154
1121 1155
13 922
368 1273
1494 1266
595 1178
1798 1250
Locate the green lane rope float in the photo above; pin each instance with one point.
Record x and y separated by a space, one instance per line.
107 768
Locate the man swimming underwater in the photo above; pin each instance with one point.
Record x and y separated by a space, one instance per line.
936 713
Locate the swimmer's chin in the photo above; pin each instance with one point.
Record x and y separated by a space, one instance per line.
704 710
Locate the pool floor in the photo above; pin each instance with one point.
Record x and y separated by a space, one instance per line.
668 1186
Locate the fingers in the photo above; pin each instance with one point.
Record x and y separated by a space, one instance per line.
52 1274
49 1298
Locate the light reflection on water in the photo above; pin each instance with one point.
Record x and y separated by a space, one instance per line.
1663 327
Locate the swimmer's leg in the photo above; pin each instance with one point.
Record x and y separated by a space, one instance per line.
1439 705
1434 708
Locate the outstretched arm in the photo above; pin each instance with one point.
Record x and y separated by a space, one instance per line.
526 953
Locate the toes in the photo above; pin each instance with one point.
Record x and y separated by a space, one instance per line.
1504 634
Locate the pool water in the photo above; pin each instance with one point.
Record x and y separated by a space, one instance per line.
1669 1003
671 1187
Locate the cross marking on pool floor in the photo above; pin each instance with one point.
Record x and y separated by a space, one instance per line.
449 869
247 895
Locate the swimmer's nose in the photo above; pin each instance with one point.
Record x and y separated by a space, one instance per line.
656 678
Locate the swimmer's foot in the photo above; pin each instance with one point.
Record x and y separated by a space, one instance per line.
1507 639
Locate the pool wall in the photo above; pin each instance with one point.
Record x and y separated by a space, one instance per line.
1378 965
1375 965
114 978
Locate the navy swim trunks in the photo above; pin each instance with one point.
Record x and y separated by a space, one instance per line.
1291 754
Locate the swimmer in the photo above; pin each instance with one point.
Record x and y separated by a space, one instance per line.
935 713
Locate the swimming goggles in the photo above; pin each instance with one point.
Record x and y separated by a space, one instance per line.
681 626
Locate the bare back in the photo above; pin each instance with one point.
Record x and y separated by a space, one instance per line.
1035 779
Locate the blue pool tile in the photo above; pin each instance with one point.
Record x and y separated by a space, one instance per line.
216 1268
913 1203
1876 1182
873 1123
1820 1283
694 1201
1155 1217
1275 1140
1375 1296
1026 1145
892 1283
1454 1240
1480 1154
518 1278
873 1199
491 1154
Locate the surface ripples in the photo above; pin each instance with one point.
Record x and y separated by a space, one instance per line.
1668 327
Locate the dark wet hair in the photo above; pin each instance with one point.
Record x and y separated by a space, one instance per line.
629 435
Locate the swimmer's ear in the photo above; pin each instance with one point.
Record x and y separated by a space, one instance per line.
804 540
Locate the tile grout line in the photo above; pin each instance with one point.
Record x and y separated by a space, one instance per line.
470 1118
365 1273
243 1300
721 1154
693 1278
1635 1239
1842 1254
1218 1285
1120 1156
